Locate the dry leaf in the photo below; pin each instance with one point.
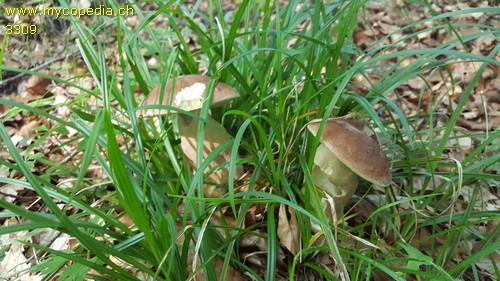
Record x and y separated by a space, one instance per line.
254 250
14 260
288 230
9 192
25 132
37 86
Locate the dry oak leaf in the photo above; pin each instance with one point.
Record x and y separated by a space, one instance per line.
288 229
37 86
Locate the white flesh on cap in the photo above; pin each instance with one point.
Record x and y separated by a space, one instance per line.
190 98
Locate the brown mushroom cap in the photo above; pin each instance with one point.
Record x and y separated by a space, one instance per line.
358 151
179 88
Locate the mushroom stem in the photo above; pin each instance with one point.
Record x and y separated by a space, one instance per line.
332 176
215 135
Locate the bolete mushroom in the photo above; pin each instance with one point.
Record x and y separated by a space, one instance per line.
345 152
188 92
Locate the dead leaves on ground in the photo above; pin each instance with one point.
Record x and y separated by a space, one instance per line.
434 91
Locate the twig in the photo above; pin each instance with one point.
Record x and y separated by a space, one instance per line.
36 68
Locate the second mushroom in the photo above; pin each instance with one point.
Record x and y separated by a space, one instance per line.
345 152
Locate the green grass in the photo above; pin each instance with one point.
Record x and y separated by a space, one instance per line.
282 87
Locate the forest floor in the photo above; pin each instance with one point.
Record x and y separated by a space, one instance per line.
53 51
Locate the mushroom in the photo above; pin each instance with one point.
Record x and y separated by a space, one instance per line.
188 92
345 152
